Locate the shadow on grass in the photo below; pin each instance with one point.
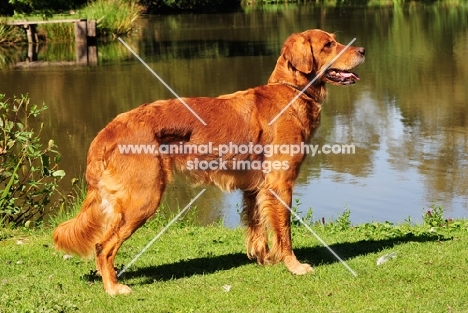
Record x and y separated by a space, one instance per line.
347 250
317 255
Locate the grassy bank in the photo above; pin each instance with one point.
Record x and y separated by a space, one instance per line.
114 17
204 269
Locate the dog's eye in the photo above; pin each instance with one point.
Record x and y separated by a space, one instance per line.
329 44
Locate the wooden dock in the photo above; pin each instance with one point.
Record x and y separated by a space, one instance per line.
84 29
85 37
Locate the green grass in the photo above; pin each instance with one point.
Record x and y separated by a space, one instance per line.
10 34
60 32
187 268
114 18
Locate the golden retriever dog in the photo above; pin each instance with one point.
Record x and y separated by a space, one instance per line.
125 188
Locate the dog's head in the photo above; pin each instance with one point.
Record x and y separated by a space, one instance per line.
316 54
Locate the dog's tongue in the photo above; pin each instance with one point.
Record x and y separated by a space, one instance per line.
349 75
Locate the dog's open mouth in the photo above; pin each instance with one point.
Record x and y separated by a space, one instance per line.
341 77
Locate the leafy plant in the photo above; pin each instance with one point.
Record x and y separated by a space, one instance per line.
64 32
295 212
114 17
10 34
43 7
343 221
434 217
158 6
29 173
71 205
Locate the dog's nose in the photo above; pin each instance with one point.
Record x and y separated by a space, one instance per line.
361 50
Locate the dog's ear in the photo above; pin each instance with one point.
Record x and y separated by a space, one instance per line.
298 51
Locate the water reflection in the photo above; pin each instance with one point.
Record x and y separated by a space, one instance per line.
407 116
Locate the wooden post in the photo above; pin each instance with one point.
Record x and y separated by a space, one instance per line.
31 33
81 42
81 50
92 55
85 39
91 30
81 30
32 52
92 43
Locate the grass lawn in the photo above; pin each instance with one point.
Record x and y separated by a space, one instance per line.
205 269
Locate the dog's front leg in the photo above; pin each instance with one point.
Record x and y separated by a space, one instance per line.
257 236
278 218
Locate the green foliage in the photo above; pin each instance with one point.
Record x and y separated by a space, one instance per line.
59 32
71 206
114 17
382 230
10 34
378 230
296 212
434 217
159 6
29 173
43 7
341 223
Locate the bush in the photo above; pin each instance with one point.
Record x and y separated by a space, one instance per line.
10 34
29 173
113 16
43 6
163 6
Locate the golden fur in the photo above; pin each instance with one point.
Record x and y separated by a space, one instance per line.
124 190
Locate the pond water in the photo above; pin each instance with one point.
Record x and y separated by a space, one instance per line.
407 116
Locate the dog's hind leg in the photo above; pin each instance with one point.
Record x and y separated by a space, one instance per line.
132 194
106 249
257 237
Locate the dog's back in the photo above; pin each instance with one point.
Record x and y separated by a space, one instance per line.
125 188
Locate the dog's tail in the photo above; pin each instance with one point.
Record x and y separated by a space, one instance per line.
80 234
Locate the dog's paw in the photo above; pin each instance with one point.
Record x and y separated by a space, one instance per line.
296 267
119 289
302 269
